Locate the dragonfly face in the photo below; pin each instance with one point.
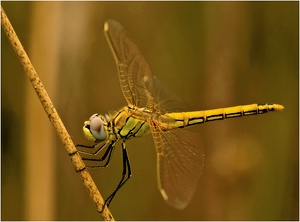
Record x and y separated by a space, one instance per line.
95 129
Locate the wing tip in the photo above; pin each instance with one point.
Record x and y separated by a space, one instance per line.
106 26
164 194
173 202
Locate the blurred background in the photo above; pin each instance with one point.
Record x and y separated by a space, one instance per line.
212 54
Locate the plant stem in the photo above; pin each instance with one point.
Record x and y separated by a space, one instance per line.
55 119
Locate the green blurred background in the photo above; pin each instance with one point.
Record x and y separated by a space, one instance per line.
212 54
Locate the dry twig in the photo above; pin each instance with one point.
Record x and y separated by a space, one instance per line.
55 119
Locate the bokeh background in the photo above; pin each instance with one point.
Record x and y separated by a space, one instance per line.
212 54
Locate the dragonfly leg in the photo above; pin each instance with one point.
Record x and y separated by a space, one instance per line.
126 171
107 155
97 147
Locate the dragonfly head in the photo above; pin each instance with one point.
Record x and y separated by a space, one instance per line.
95 129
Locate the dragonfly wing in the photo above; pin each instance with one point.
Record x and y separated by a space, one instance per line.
135 76
180 157
180 160
139 86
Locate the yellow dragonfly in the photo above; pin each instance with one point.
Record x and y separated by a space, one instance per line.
152 108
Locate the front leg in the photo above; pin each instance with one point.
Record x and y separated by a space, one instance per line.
107 155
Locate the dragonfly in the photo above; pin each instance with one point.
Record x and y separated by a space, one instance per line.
151 108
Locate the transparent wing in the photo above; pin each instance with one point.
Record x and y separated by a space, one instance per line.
180 163
134 73
180 155
139 86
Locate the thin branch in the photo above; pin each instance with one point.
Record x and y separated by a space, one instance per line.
55 119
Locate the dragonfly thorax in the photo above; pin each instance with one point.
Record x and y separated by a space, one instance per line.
130 122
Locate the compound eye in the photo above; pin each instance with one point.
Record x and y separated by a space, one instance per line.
93 116
97 128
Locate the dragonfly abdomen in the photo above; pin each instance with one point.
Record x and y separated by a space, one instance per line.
184 119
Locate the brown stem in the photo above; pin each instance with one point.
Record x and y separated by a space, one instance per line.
55 119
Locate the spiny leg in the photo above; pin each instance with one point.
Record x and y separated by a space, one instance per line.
107 155
108 152
98 146
126 171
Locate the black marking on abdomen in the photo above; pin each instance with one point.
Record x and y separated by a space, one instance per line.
250 112
265 110
214 117
233 115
